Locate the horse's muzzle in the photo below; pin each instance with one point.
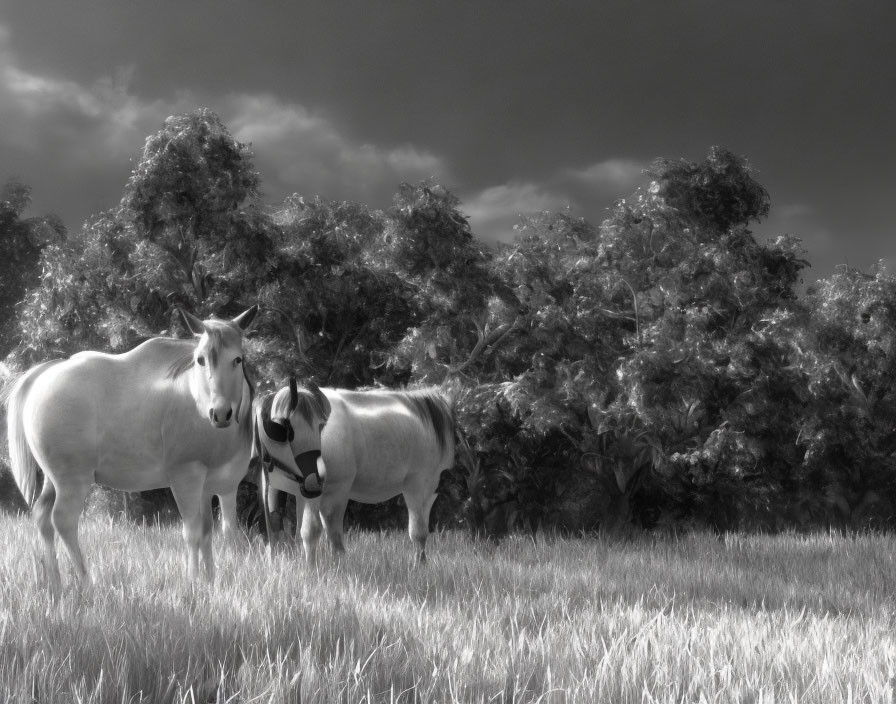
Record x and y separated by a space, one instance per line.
219 419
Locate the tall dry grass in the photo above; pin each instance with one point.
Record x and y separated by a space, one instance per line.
692 619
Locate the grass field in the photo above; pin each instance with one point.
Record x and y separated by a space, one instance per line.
689 619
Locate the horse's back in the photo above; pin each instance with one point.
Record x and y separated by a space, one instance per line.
93 389
380 443
146 364
117 375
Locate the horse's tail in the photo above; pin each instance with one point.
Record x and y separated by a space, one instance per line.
22 462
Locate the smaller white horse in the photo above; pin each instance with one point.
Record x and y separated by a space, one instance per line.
159 415
328 446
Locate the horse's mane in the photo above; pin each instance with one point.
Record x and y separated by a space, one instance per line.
308 406
180 365
431 406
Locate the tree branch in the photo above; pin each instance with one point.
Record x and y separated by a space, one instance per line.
485 338
296 332
635 307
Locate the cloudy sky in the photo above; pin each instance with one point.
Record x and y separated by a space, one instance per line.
515 106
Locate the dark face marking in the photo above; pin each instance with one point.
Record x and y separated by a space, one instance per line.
279 430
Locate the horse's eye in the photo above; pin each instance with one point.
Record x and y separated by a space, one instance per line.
201 361
237 361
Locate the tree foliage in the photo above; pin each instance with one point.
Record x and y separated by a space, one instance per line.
184 233
429 243
662 367
843 346
342 307
631 367
700 285
21 242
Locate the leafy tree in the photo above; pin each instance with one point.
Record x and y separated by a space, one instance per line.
430 244
21 242
844 344
638 374
184 233
555 362
339 298
185 195
699 285
716 195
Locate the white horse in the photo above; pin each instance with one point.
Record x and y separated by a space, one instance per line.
371 445
160 415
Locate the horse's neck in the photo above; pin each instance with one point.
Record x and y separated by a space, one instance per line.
186 430
181 399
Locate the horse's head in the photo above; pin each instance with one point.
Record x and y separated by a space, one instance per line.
289 426
217 374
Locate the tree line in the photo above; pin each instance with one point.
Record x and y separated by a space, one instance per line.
660 369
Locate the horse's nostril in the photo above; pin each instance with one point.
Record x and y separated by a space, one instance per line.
229 413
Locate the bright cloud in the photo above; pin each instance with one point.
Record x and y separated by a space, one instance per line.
100 128
494 211
35 94
59 134
613 174
80 122
299 151
410 159
72 143
790 211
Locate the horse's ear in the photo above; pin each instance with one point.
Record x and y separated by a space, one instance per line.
293 394
193 324
245 319
319 395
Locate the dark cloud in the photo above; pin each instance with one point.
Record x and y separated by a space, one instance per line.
502 102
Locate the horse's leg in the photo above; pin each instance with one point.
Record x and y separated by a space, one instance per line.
311 529
229 523
42 513
275 501
419 505
332 513
70 498
205 542
186 485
